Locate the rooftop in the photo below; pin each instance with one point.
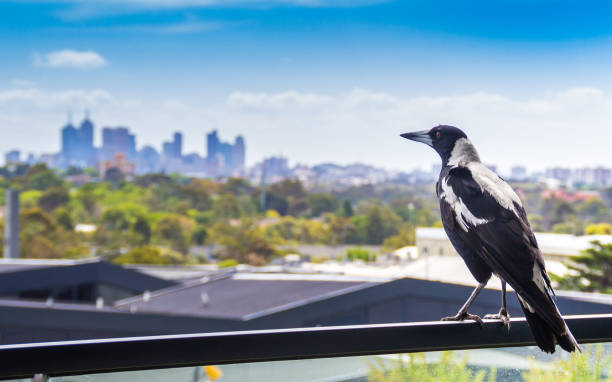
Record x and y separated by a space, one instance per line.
243 296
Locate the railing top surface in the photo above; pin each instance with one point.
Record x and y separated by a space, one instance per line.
136 353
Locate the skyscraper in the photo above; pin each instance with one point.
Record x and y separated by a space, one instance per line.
77 144
174 148
223 158
117 141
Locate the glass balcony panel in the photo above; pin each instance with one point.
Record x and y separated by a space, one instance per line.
480 365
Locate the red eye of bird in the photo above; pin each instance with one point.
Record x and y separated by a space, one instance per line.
438 135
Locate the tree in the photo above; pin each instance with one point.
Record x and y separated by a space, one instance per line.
405 236
599 229
63 218
148 255
115 219
196 193
236 186
142 228
347 209
199 235
40 177
226 207
113 175
53 198
171 230
322 202
594 210
590 271
245 242
380 223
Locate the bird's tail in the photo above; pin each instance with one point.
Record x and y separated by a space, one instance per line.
546 335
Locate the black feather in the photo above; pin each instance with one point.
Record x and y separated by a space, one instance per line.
506 246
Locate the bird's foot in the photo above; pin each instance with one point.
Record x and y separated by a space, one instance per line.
502 315
462 317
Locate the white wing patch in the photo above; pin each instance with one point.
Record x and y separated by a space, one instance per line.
462 214
464 154
495 186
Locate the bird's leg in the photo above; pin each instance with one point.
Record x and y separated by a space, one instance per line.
463 314
503 311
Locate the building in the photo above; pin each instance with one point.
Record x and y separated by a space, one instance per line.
229 301
12 157
77 145
174 148
119 163
554 246
117 141
518 173
222 158
148 160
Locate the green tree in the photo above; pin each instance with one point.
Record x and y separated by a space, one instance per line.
590 271
63 218
322 202
115 219
40 177
172 231
594 210
246 242
148 255
197 195
347 209
599 229
53 198
199 235
226 207
405 236
380 224
142 228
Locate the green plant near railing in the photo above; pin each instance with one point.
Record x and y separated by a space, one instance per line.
589 366
414 367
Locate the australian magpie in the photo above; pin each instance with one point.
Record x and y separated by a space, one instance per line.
487 224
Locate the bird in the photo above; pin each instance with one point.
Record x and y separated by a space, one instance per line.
486 223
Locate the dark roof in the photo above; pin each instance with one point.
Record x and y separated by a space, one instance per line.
242 296
22 275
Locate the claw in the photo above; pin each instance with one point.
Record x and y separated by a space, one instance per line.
463 317
502 315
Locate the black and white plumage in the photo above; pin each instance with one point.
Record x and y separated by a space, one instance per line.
487 224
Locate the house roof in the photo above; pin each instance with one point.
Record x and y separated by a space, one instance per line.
243 296
28 274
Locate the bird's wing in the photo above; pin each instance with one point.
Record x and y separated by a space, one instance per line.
498 231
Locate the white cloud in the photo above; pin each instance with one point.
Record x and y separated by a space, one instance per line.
70 59
570 127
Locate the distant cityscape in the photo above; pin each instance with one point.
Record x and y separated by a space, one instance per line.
119 153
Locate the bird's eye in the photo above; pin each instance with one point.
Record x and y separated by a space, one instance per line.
438 135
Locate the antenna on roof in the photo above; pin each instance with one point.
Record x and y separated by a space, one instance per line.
69 117
86 113
204 298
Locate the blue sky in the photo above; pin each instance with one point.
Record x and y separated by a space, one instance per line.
316 80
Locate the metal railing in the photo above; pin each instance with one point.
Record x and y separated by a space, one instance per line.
153 352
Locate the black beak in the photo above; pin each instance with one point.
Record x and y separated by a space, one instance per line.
419 136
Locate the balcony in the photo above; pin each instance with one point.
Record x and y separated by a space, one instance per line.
340 353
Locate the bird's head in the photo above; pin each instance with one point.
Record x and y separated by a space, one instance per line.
448 141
